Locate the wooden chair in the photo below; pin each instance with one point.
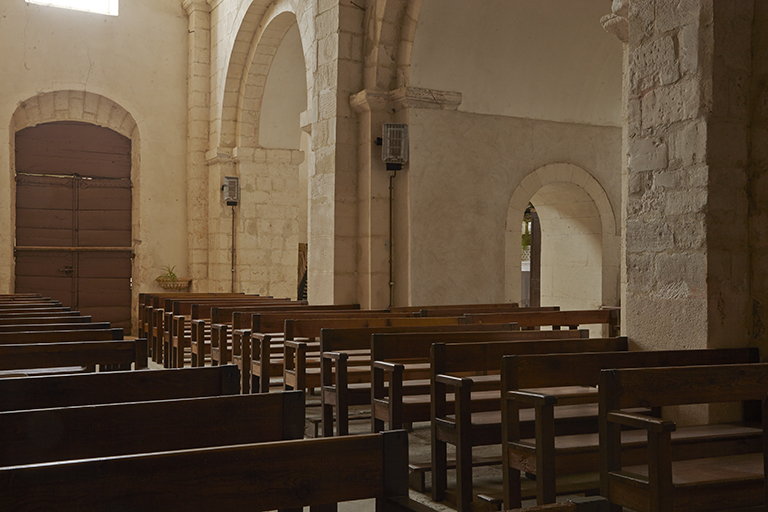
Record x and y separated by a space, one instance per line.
587 504
673 480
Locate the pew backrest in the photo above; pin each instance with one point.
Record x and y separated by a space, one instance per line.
45 392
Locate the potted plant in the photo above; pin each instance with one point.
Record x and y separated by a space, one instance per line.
170 281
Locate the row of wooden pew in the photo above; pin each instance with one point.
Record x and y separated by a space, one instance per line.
187 439
536 446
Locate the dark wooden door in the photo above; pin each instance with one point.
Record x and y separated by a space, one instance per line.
73 218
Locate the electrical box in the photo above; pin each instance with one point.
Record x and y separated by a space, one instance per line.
230 190
394 148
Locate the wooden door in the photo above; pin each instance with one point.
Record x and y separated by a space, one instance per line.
73 218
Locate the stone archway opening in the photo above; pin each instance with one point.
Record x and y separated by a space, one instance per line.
571 247
271 220
580 247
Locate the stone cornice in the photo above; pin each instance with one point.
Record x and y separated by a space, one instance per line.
219 156
417 97
369 100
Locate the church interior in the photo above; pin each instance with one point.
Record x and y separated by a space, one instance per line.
522 159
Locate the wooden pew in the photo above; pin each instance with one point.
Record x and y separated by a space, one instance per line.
231 322
179 315
345 382
11 306
394 355
49 336
547 456
302 367
59 319
73 356
49 311
267 354
673 481
67 326
6 319
45 392
578 504
285 475
477 417
608 317
104 430
151 314
264 357
149 301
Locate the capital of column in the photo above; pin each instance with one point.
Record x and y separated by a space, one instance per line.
369 100
616 23
191 6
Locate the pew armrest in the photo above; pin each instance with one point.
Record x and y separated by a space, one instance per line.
641 421
531 398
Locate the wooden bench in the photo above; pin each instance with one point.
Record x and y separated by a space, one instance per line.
54 336
230 322
66 326
477 417
586 504
13 305
152 309
59 319
266 337
179 315
149 301
548 456
673 480
302 366
73 356
104 430
44 392
49 311
285 475
7 319
573 319
394 354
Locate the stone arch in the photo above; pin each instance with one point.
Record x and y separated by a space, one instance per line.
259 36
560 177
391 29
93 108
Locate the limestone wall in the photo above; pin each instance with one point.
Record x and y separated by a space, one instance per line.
137 61
463 172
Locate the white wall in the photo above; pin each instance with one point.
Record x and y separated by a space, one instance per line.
542 59
463 171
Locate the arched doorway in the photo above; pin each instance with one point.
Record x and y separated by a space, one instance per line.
73 217
579 242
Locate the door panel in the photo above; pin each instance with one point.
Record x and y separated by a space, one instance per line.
73 190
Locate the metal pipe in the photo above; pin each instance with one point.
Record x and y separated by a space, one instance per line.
391 239
233 250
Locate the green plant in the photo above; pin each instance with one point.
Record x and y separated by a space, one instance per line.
169 274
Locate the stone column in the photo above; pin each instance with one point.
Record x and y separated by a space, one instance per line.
198 94
333 211
373 194
686 237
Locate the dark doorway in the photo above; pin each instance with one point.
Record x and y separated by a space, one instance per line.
73 218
